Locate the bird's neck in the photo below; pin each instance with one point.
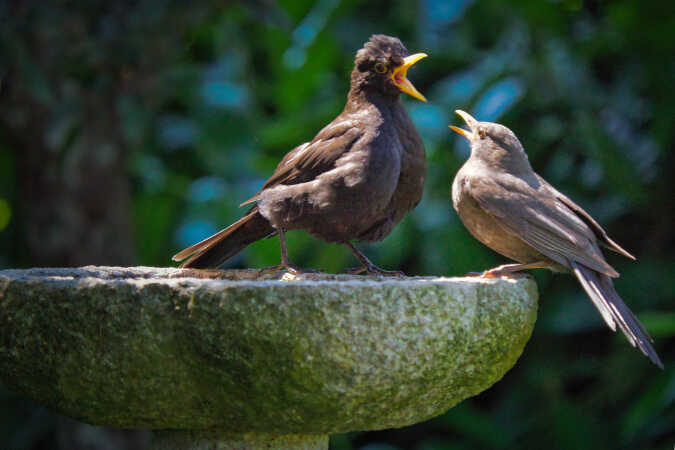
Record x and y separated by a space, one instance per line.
359 95
502 161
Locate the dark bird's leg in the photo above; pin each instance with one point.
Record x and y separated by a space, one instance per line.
509 270
285 263
368 266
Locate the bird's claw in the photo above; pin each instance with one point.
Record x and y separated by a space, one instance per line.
290 268
497 272
373 269
295 270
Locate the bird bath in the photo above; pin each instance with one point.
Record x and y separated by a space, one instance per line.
236 359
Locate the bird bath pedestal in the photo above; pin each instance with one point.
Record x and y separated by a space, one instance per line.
234 359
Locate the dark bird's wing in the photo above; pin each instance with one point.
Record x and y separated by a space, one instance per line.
531 211
311 159
302 164
600 289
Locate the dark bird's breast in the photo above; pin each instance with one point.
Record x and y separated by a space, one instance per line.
376 179
410 182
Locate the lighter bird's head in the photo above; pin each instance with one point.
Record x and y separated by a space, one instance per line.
494 144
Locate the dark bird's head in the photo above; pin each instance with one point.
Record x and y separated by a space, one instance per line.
494 144
381 66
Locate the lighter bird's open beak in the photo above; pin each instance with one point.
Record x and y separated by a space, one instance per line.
470 121
400 80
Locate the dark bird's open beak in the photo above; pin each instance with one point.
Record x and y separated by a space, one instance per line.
398 75
470 121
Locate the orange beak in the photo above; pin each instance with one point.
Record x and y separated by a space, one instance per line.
399 76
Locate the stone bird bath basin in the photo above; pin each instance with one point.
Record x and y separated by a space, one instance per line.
234 359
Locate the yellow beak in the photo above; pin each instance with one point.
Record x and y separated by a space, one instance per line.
399 76
461 131
470 121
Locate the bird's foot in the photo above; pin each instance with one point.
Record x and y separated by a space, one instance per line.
495 273
514 270
290 268
368 266
507 270
295 270
373 269
474 274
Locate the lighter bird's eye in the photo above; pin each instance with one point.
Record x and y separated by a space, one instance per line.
482 133
380 67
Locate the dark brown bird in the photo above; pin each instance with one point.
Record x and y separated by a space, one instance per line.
515 212
355 180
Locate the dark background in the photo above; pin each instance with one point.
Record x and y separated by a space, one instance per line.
131 129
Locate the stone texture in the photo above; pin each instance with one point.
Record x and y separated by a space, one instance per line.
176 349
213 440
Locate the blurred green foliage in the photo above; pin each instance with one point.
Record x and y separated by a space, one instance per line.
208 98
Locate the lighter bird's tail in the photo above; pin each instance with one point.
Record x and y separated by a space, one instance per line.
215 250
600 289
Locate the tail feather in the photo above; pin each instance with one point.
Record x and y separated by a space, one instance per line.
602 293
215 250
596 297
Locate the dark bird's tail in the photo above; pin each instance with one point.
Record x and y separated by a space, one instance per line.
600 289
215 250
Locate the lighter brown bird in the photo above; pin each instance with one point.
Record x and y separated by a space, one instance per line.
515 212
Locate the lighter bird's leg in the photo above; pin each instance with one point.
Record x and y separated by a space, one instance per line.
368 266
509 270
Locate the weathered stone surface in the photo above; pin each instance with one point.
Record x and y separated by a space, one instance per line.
161 349
214 440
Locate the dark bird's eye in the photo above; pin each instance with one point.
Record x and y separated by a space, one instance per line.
380 67
482 133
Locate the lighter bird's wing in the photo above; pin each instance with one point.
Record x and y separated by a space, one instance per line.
545 219
529 210
600 233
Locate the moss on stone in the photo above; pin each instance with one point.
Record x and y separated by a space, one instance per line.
214 440
161 349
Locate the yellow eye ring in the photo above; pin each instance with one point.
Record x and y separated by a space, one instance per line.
380 67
